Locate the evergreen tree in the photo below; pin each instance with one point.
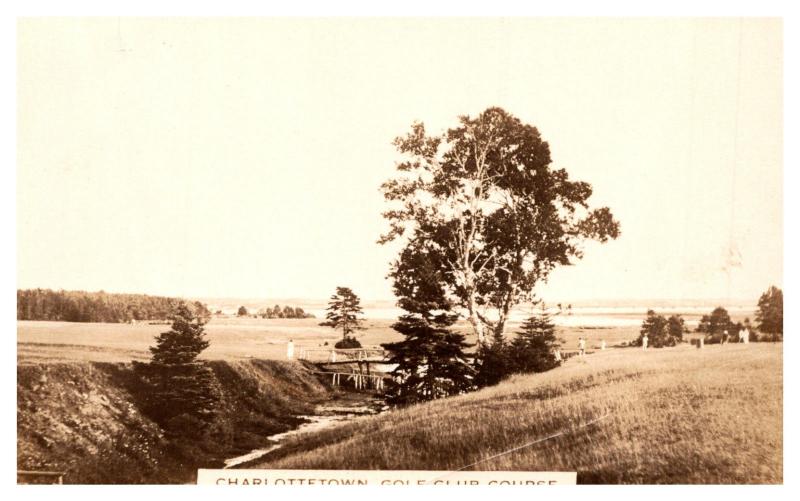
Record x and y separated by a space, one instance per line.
656 328
343 310
183 392
676 328
533 350
493 361
770 313
716 323
431 362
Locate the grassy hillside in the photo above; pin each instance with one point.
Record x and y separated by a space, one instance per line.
677 415
84 418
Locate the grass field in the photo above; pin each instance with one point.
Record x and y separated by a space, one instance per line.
231 338
675 415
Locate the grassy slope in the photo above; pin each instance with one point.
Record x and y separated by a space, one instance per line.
84 418
676 415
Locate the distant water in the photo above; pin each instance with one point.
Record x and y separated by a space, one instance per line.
589 316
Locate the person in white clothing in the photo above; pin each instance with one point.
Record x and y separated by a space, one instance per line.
746 336
644 342
290 350
581 347
603 344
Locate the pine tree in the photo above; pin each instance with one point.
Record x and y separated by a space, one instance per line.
533 350
430 360
343 310
770 313
184 392
493 362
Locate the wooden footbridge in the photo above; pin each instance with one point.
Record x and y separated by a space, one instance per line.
364 364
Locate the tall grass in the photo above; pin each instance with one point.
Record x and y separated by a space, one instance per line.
676 415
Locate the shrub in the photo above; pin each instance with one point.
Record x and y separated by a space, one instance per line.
660 331
347 343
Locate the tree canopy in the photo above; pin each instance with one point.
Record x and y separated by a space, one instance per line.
343 309
661 331
81 306
770 313
493 217
716 323
285 312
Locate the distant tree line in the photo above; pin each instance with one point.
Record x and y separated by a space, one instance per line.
718 326
278 312
81 306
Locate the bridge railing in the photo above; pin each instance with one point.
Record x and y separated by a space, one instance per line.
341 354
357 380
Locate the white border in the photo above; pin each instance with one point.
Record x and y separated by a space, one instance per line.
405 8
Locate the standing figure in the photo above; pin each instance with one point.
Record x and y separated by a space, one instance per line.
603 344
581 347
741 335
290 350
747 336
557 355
725 336
644 342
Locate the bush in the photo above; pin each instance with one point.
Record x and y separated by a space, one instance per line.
347 343
531 351
660 332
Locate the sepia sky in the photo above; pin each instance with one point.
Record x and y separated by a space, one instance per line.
243 157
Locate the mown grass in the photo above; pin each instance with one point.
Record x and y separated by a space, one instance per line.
678 415
232 338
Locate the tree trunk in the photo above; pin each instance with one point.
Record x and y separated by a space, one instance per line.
476 322
500 326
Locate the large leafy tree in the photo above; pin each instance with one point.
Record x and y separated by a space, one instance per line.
676 328
183 391
344 308
660 331
485 200
770 313
716 323
430 360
